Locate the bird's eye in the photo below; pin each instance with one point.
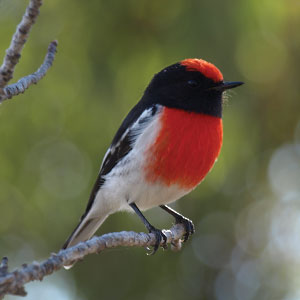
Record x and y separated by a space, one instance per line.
193 83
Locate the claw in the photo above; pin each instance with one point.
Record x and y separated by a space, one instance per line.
159 235
188 225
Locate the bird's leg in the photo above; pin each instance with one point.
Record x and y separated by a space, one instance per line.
188 224
158 233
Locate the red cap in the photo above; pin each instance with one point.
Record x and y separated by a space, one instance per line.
206 68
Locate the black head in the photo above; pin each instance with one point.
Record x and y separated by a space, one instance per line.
193 85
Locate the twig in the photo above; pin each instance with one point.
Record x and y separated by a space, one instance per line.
13 54
4 266
13 283
24 83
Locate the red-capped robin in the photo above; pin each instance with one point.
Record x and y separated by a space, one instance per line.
163 149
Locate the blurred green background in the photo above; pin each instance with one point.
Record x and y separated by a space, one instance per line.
53 138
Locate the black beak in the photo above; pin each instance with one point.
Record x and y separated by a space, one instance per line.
230 84
227 85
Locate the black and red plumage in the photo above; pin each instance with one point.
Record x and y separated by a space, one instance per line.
163 149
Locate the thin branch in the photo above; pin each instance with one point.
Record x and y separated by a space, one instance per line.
13 282
25 82
13 53
4 266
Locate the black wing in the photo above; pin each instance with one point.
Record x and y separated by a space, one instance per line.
121 144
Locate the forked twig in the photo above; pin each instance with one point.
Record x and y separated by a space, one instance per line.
13 54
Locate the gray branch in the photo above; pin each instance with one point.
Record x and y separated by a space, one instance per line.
13 54
24 83
13 282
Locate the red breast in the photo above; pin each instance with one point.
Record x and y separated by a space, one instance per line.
185 148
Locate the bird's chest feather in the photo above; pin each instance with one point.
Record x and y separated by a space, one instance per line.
185 148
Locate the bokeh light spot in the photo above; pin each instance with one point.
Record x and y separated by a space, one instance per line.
284 170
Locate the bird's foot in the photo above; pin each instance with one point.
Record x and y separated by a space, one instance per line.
159 235
188 225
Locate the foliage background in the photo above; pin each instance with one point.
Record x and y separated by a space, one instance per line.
53 138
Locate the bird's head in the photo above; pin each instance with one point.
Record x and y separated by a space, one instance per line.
193 85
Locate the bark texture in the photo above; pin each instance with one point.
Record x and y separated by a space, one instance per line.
13 282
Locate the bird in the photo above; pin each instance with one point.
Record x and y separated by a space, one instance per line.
164 148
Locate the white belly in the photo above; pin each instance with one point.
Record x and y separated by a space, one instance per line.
124 189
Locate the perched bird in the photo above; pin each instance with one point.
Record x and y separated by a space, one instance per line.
163 149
